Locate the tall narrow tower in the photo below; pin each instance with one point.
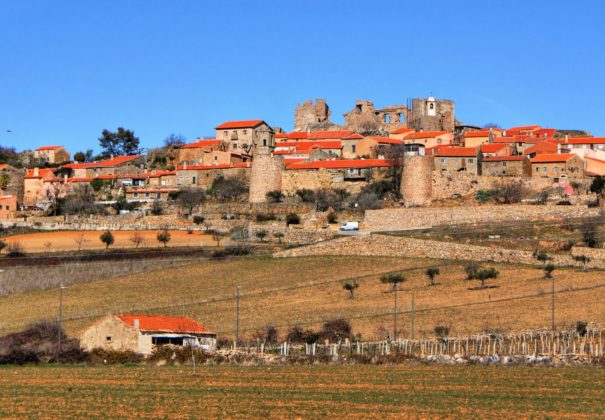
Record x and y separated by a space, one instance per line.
267 170
417 180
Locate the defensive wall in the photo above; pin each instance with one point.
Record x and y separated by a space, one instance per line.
423 217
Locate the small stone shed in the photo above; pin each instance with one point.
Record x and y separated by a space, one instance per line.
143 333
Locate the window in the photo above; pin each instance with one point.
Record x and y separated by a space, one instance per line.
245 131
555 169
158 196
264 142
471 160
503 163
442 160
431 106
108 339
193 180
215 157
136 195
353 148
225 133
545 169
147 195
537 169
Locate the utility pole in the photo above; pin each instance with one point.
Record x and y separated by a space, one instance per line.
395 313
412 316
237 316
553 304
60 319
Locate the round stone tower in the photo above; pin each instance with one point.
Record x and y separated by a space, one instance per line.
266 175
417 180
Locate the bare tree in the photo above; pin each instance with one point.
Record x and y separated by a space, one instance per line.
218 237
137 239
190 199
80 241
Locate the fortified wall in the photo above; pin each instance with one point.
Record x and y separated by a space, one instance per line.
424 217
266 174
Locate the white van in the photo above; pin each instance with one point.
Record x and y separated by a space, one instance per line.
350 226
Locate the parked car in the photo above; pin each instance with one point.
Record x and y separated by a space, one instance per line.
350 226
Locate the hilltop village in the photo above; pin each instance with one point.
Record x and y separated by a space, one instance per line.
410 155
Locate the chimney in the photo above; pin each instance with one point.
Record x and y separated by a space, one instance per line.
566 138
136 324
65 178
36 172
184 166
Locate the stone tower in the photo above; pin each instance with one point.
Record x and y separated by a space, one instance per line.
432 114
266 175
308 115
417 180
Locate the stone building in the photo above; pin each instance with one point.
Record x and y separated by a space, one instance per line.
202 176
506 166
12 182
557 166
266 174
432 114
364 118
114 166
8 206
310 116
242 136
143 333
52 154
458 159
417 180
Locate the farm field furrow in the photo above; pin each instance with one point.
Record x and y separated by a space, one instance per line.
358 391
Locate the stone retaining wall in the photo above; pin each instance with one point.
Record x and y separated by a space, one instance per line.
419 217
398 246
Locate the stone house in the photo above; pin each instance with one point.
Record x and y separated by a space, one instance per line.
202 176
542 147
242 136
52 154
458 159
557 166
304 149
33 184
143 333
584 145
479 137
148 194
506 166
8 207
430 138
119 165
194 152
162 179
496 149
372 146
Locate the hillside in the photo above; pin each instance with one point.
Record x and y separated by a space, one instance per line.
288 291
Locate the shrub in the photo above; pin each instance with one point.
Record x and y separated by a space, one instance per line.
298 335
336 330
337 199
15 250
442 331
123 204
107 238
332 219
368 201
225 189
261 235
306 195
238 250
483 196
265 217
581 328
590 235
157 208
292 219
164 237
471 270
198 220
239 234
275 196
111 357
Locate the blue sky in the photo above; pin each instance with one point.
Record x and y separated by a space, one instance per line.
69 69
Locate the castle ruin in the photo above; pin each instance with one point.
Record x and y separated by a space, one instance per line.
312 116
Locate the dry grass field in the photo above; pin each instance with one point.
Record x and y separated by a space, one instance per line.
359 391
307 291
88 240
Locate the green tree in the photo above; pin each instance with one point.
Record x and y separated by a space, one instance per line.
350 287
541 256
119 143
582 259
275 196
598 186
84 156
548 269
164 237
485 274
431 273
107 238
394 279
261 234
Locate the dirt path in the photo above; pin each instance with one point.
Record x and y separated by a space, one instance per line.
72 240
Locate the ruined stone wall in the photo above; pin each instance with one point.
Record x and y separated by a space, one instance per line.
311 179
266 174
308 115
399 246
446 185
416 180
365 118
424 217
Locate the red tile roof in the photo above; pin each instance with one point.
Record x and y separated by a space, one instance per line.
523 128
341 164
354 136
502 158
302 145
39 149
546 158
426 134
41 173
507 140
586 140
208 167
164 324
492 147
319 135
457 152
7 197
240 124
201 143
541 147
107 163
386 140
478 133
402 131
